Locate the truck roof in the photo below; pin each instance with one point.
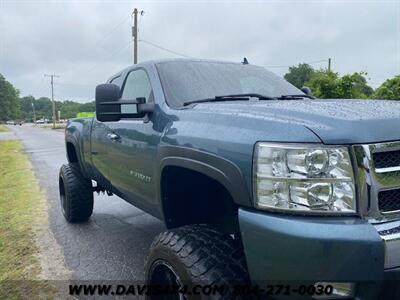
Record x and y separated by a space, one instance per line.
162 60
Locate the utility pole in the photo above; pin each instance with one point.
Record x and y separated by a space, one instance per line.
52 96
34 113
135 34
329 64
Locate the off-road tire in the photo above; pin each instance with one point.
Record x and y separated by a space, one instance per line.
199 255
76 194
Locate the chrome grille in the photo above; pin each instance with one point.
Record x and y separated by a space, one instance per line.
389 200
387 159
378 176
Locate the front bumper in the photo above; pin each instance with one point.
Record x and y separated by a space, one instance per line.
319 249
282 247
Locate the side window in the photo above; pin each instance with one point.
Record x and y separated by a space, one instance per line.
137 85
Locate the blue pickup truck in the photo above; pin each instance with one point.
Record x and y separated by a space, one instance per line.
255 180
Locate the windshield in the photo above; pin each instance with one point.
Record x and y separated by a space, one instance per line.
185 81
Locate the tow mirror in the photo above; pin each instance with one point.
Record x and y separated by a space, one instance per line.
107 107
110 108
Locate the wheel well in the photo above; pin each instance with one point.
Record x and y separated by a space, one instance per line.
71 153
190 197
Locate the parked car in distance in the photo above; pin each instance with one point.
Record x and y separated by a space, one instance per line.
42 121
255 180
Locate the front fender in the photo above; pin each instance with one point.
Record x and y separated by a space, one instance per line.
78 134
216 167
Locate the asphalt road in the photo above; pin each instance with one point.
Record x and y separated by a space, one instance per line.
114 243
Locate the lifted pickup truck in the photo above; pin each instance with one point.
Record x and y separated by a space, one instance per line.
254 179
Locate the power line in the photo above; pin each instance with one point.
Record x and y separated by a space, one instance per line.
309 63
113 29
97 65
106 36
318 61
73 84
118 25
111 55
165 49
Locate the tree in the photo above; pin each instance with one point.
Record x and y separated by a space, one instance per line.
9 104
87 107
389 90
299 75
324 84
69 109
354 86
43 107
327 84
26 109
361 85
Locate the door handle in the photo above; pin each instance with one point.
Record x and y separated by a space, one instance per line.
113 136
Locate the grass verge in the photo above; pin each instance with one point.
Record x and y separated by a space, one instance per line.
3 128
50 126
21 208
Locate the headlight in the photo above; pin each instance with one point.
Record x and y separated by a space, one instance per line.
311 178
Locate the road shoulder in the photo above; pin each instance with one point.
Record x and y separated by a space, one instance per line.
29 255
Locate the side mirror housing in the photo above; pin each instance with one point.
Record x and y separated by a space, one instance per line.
108 104
306 90
106 95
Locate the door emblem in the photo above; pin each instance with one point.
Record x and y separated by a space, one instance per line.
140 176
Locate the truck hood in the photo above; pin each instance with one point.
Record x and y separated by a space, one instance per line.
333 121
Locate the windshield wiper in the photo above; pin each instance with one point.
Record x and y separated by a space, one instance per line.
294 97
253 95
234 97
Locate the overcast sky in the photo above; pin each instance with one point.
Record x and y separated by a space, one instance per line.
84 42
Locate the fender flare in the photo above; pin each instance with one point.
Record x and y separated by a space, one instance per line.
222 170
74 141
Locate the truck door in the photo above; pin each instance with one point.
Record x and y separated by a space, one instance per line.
133 151
100 142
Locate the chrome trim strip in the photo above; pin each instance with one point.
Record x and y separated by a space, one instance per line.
390 212
387 170
388 238
310 179
392 253
391 242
